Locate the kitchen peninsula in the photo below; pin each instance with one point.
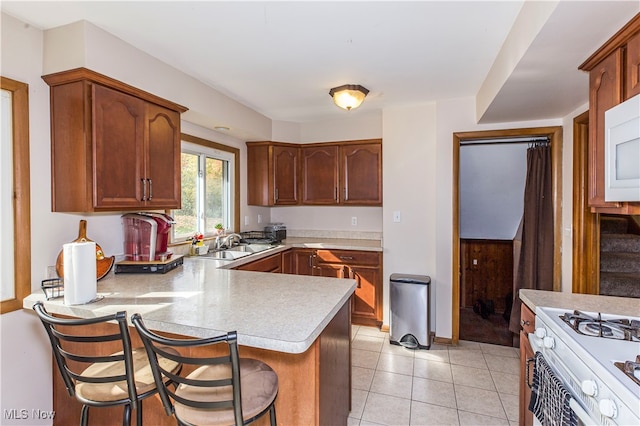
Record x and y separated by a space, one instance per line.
299 325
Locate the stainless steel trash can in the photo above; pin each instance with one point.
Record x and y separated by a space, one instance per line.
410 299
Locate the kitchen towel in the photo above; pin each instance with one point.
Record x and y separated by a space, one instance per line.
80 282
549 398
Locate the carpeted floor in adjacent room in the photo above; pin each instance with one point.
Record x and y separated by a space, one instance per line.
494 330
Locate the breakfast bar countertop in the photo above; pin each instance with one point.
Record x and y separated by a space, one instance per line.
278 312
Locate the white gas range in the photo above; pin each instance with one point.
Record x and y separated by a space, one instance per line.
589 352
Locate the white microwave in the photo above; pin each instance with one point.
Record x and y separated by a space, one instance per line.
622 151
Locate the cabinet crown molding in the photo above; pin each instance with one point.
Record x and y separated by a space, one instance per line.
85 74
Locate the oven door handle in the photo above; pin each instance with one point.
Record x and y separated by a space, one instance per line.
581 413
527 371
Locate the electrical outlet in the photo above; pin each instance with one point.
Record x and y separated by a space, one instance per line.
51 272
354 221
259 218
246 220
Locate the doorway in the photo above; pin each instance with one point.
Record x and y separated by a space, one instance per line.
554 135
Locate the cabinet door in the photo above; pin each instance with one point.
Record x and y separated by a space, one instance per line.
162 161
303 260
361 174
605 87
118 144
528 325
331 270
632 81
363 266
271 263
366 304
285 175
259 191
320 175
288 262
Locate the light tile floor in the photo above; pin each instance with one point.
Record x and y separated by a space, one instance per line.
469 384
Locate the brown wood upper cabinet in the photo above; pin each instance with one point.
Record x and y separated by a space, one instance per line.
320 175
332 173
113 147
347 173
272 174
613 78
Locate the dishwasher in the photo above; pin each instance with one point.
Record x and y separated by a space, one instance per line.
410 324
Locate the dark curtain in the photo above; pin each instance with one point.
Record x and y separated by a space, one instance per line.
533 265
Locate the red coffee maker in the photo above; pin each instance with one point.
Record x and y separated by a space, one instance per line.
146 236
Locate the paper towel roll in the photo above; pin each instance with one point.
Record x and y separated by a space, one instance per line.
80 282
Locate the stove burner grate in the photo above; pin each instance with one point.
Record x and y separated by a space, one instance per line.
619 328
596 329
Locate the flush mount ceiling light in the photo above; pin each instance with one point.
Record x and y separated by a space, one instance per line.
348 96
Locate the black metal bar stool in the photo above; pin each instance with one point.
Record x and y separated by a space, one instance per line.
94 377
220 390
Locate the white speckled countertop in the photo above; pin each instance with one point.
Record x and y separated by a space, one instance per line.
583 302
279 312
334 243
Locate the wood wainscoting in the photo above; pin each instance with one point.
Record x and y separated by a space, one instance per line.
486 272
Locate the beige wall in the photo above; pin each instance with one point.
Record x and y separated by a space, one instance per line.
25 360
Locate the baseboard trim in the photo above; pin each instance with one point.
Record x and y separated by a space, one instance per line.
443 340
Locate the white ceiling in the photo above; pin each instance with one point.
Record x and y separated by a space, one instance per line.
281 58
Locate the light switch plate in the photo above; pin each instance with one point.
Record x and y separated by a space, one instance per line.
396 216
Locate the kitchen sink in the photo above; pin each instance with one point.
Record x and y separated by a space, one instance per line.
249 248
237 252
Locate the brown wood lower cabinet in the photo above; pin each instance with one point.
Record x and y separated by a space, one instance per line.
303 261
363 266
528 326
366 268
271 263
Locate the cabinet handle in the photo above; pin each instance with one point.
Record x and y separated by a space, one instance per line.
523 322
346 196
346 257
310 261
275 195
144 190
150 189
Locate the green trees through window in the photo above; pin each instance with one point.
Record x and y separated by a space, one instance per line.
207 191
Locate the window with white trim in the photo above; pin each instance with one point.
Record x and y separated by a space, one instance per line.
207 191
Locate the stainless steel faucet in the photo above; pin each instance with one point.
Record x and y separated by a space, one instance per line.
229 240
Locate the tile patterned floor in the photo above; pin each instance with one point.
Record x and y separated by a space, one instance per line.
469 384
